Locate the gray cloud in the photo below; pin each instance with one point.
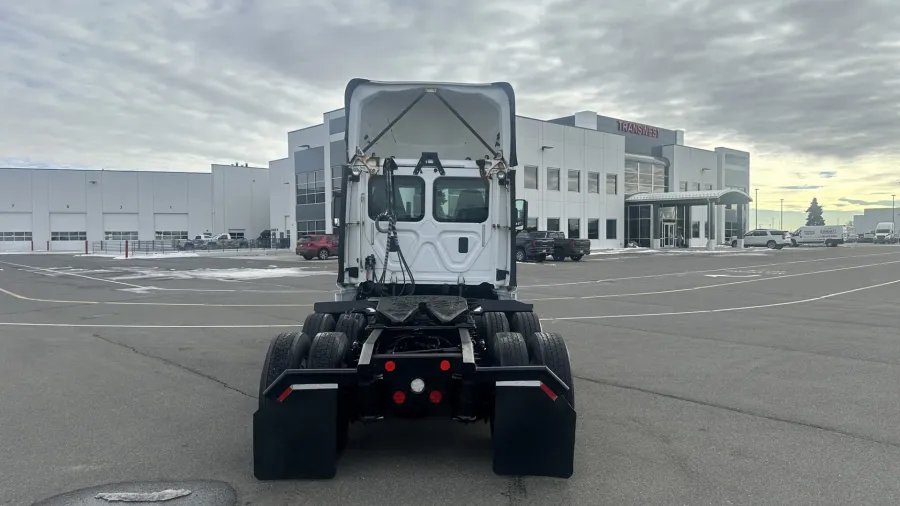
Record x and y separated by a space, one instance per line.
163 85
827 174
801 187
858 202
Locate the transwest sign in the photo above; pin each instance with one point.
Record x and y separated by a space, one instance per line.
638 129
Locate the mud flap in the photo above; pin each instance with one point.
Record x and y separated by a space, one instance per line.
534 431
295 435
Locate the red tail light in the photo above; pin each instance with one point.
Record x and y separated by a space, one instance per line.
445 365
399 397
534 244
435 397
571 244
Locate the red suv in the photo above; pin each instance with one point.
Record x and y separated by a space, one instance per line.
319 246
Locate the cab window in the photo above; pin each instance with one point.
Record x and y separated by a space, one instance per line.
461 199
409 197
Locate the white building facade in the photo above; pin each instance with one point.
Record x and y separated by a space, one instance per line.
61 209
576 172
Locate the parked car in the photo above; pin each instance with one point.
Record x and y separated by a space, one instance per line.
321 246
772 239
531 247
575 249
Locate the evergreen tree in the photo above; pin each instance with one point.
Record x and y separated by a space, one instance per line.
814 214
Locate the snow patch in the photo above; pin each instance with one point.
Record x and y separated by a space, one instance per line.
162 495
236 274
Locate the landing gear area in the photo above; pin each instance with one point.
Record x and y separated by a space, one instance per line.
475 361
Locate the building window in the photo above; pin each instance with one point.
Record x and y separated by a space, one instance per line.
68 236
612 184
611 229
696 186
707 186
120 236
553 224
683 186
695 229
310 227
531 223
336 177
637 227
593 182
730 231
460 200
531 177
311 187
645 177
15 236
168 235
594 228
236 234
552 179
574 228
575 181
410 206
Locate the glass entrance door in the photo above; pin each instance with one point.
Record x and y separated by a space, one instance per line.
668 235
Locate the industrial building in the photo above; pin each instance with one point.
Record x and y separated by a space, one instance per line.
60 209
591 176
866 222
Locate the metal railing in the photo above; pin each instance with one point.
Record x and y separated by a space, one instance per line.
143 248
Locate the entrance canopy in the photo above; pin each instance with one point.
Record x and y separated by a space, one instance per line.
695 198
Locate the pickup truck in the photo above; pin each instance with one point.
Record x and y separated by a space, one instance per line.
562 247
531 247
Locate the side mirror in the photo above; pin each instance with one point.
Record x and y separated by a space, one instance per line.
336 204
521 213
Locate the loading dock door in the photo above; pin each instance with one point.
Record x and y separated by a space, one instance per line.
167 226
68 231
15 232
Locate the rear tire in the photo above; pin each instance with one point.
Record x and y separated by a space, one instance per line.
323 254
488 326
329 351
540 258
279 358
770 244
307 257
525 323
318 322
576 257
520 255
509 349
352 325
549 349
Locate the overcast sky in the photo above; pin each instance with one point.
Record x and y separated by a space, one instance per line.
810 87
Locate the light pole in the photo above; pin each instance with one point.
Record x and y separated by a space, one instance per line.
781 225
893 216
757 208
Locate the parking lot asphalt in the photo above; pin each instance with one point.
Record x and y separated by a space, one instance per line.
731 377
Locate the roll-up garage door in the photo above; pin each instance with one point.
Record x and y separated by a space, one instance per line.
15 232
171 226
68 231
121 227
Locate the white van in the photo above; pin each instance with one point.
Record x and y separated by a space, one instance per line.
884 233
827 235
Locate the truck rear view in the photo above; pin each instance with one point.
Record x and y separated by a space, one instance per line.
425 321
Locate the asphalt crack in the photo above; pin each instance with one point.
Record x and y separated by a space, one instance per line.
176 364
739 411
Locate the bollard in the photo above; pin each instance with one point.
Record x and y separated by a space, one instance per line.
126 249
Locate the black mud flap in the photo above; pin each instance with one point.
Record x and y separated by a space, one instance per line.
295 434
534 431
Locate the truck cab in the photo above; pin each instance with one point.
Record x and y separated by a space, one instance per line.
884 233
428 194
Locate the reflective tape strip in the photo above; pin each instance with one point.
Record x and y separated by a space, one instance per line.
314 386
529 383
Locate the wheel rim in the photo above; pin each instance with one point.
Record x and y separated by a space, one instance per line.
323 255
520 255
771 244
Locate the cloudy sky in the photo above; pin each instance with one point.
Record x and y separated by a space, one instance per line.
810 87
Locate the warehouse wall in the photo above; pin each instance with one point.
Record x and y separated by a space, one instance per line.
66 207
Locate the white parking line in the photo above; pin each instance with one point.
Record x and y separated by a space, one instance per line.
669 274
72 274
133 303
113 326
718 285
724 310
